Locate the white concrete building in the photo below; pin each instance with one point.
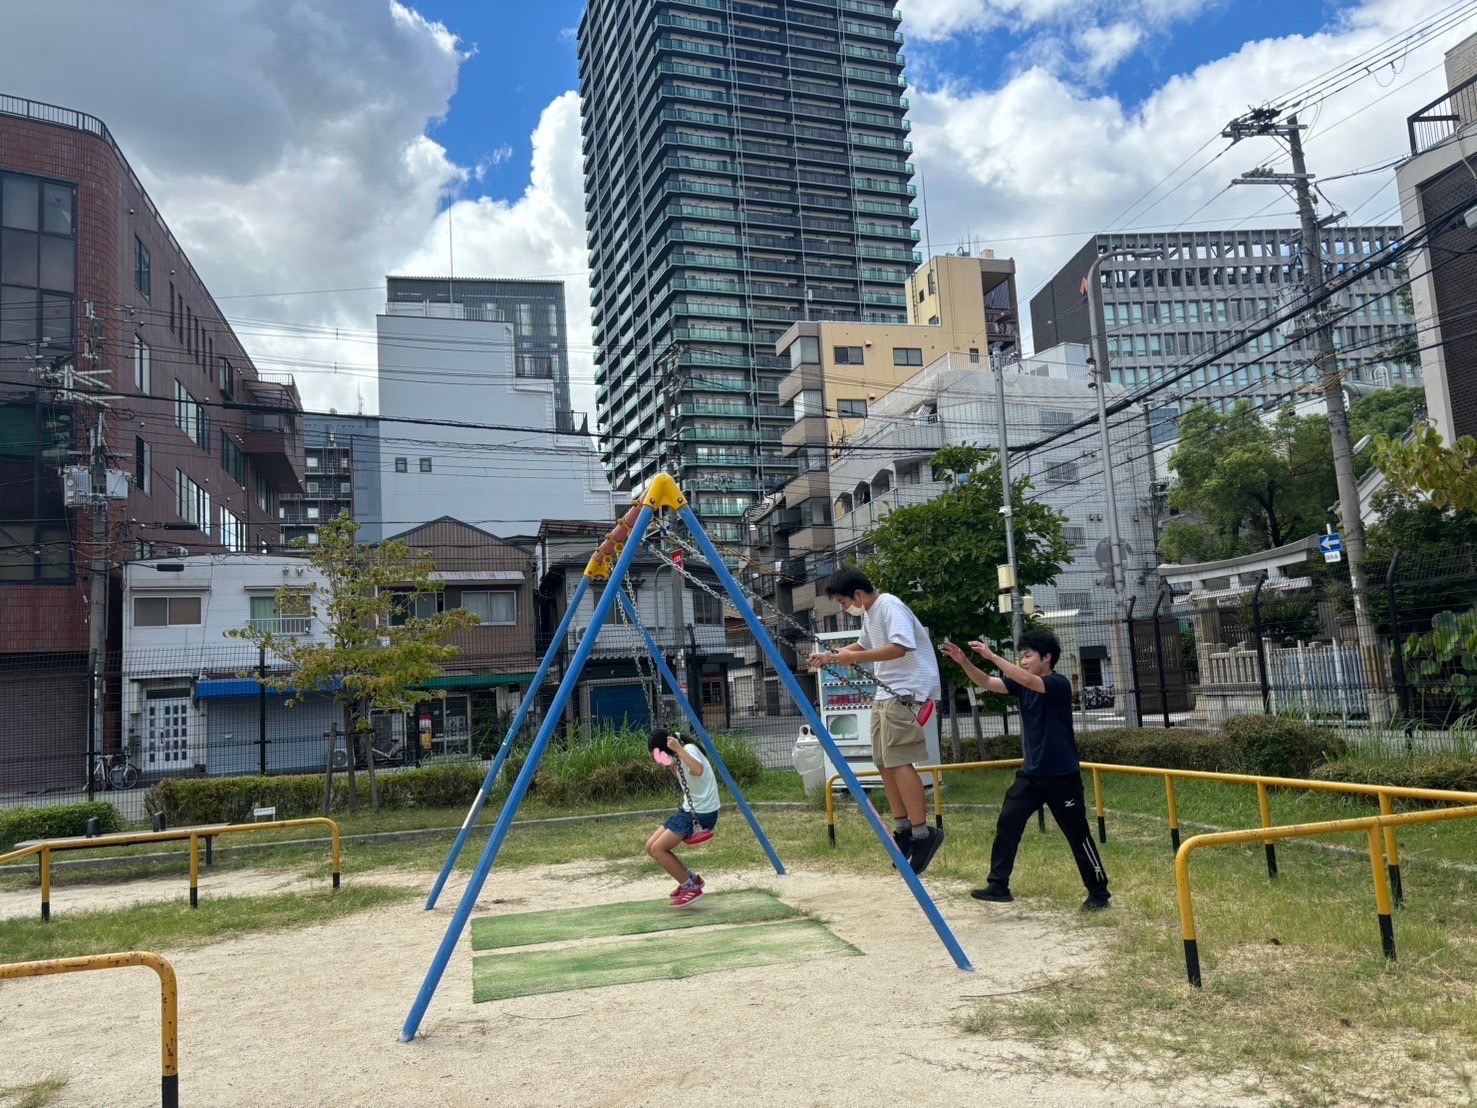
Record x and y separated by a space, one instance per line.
187 708
886 465
525 462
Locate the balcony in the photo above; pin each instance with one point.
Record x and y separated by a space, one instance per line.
272 437
282 625
1441 118
807 431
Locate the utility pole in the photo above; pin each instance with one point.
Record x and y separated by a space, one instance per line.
1017 616
1123 670
98 599
1263 122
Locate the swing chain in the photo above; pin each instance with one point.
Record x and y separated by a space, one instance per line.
645 668
749 594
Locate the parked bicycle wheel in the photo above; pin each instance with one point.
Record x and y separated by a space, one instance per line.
124 777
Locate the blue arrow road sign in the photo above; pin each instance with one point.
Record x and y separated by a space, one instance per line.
1330 543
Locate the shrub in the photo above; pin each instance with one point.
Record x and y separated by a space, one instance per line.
1277 747
18 825
194 800
1176 748
1421 771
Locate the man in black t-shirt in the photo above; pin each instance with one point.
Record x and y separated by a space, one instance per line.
1051 775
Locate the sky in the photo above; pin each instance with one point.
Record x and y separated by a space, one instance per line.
303 149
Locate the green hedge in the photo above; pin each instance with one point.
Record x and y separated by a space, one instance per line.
1266 745
191 800
18 825
1420 771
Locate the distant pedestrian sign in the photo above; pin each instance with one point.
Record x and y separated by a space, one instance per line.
1332 547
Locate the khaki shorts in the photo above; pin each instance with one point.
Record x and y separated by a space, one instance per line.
897 737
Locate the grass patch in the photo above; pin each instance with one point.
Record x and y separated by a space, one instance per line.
38 1094
1297 996
632 917
654 958
174 926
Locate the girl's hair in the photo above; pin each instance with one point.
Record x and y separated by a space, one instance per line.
657 740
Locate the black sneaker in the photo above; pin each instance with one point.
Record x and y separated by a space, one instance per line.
994 894
904 840
1095 904
924 849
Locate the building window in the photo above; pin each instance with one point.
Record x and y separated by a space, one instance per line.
974 354
267 615
263 494
171 307
166 611
191 418
851 409
1053 419
847 355
907 355
1077 536
192 503
228 379
233 461
142 278
312 511
143 466
706 609
1067 598
932 285
409 606
1062 473
38 267
35 539
233 534
492 608
315 459
142 366
402 465
425 465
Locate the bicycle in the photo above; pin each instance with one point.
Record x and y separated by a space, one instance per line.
115 771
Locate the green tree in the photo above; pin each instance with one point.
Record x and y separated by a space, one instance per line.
1426 466
1390 412
1253 484
372 659
941 557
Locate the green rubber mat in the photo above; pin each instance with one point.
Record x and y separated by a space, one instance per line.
631 917
651 958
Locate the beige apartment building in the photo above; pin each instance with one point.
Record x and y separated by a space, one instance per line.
957 304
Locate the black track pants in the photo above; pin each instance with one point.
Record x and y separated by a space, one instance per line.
1064 796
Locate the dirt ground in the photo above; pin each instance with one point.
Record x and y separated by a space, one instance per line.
310 1017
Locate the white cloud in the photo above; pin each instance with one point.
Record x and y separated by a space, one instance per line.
1033 167
290 147
1105 47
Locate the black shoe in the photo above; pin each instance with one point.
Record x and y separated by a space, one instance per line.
1095 904
994 894
924 849
904 840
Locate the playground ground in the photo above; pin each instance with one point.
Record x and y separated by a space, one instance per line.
309 1016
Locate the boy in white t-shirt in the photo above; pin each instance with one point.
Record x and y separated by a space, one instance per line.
903 660
698 811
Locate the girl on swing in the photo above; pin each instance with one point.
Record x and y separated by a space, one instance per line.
695 818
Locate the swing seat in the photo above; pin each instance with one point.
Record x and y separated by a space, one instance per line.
698 837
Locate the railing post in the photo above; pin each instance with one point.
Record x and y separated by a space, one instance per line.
1261 646
261 710
1397 648
1132 662
1159 662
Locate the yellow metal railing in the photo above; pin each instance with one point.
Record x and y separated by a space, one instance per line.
168 995
1372 825
1385 794
45 848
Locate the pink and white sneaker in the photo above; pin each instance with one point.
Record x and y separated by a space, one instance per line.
673 894
686 895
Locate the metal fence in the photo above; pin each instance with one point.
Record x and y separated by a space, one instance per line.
1291 646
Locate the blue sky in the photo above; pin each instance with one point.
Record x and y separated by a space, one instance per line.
525 57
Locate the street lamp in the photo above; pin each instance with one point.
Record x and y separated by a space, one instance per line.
1099 362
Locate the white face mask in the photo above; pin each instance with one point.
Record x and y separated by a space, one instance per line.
856 611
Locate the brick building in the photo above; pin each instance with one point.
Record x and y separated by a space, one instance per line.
97 296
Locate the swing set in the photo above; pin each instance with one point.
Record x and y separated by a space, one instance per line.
610 565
